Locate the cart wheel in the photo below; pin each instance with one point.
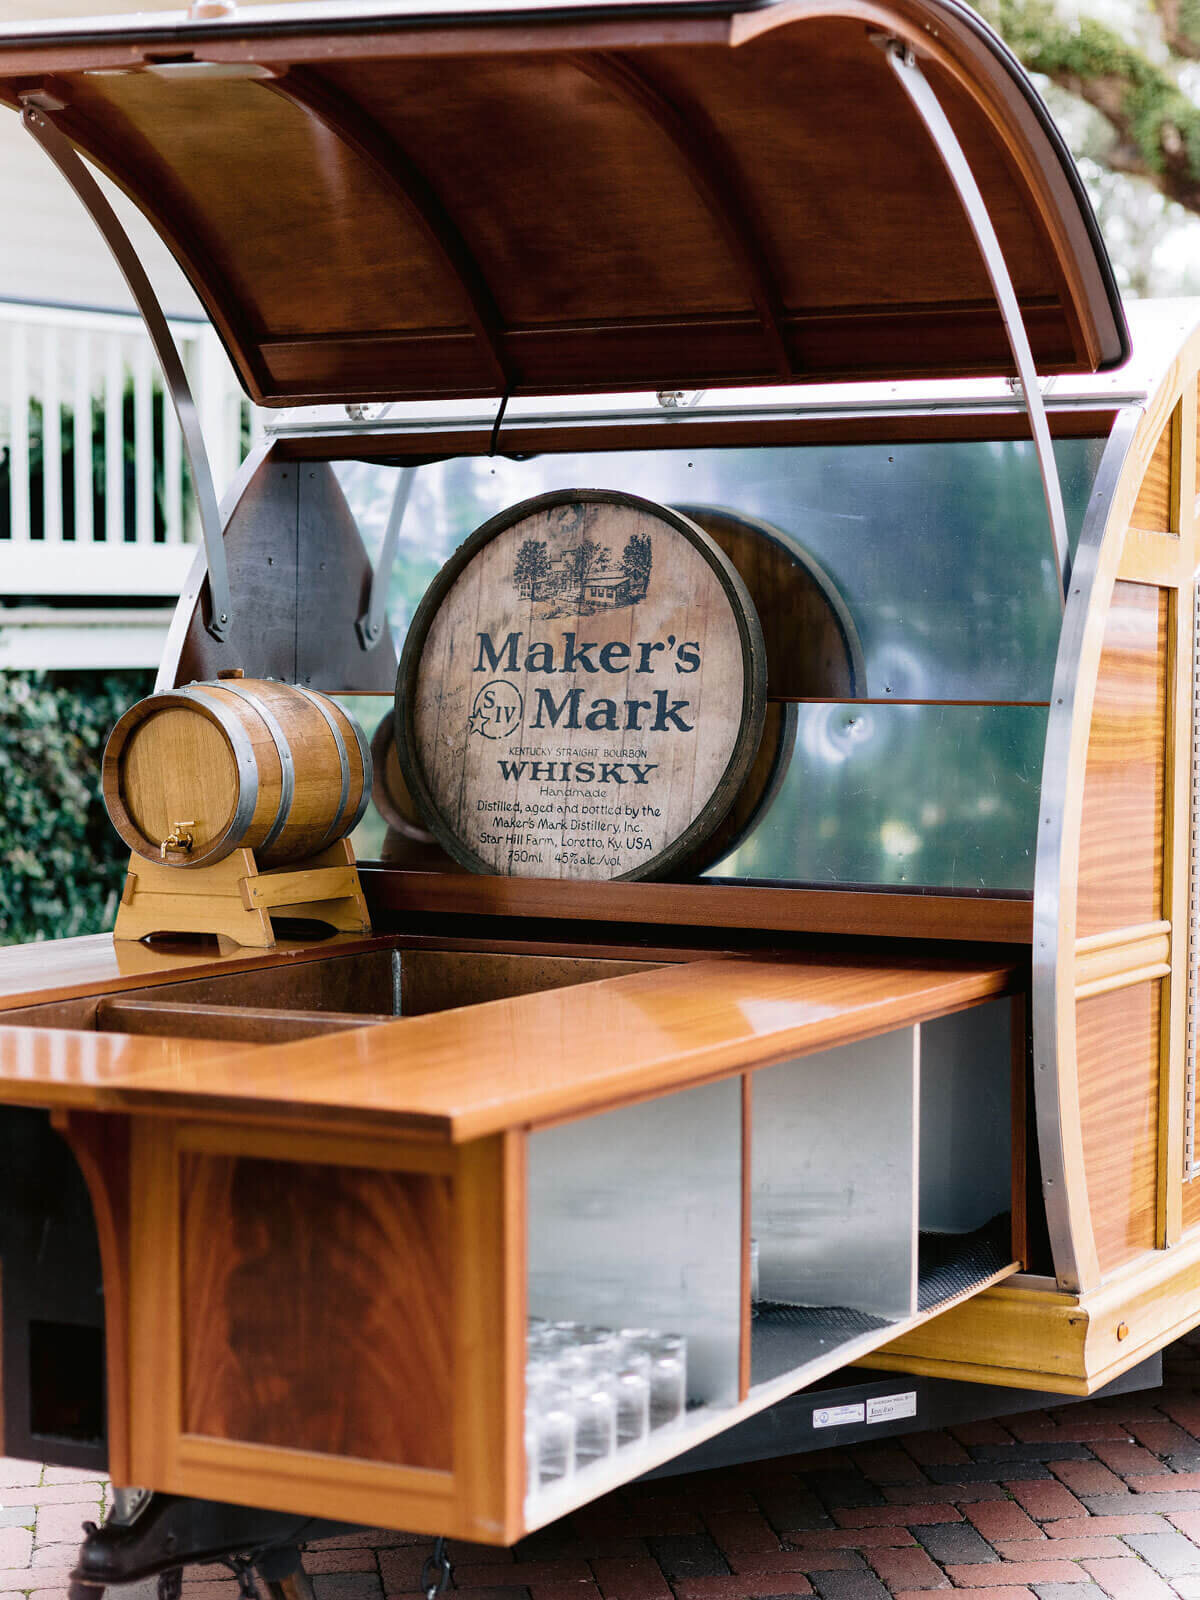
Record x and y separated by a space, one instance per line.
170 1583
282 1571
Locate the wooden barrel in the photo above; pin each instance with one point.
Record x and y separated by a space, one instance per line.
813 648
389 790
813 652
407 843
197 772
582 690
758 789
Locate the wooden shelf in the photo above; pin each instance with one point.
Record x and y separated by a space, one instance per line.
980 919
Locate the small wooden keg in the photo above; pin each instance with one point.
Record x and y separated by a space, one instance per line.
197 772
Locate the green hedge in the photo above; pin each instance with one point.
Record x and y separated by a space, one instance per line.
62 863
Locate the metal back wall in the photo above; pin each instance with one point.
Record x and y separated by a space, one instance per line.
301 581
1111 892
423 208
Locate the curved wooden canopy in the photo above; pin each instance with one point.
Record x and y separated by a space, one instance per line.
475 203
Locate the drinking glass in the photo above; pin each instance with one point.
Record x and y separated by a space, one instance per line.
550 1413
594 1405
633 1398
668 1372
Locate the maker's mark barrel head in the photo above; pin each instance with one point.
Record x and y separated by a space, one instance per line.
581 691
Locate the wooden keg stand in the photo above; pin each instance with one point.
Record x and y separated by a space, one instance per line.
171 752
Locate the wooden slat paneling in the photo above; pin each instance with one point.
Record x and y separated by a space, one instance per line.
1121 839
1152 509
316 1307
1118 1041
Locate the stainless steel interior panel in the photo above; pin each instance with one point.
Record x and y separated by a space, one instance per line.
966 1118
635 1220
834 1177
938 550
909 796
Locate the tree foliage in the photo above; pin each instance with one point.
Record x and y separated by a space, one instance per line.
1137 85
63 860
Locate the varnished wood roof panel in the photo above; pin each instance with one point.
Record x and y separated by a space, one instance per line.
587 201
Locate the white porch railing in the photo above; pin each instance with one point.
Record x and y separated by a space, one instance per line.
94 497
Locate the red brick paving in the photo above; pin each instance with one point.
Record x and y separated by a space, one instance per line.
851 1524
1025 1572
908 1569
1044 1500
1129 1579
1002 1519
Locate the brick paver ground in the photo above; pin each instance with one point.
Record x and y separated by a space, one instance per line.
1095 1501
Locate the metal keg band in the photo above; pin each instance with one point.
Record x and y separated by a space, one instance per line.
331 831
282 749
244 759
368 766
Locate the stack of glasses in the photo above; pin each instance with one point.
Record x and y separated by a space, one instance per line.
592 1391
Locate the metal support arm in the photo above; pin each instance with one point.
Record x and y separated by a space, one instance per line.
927 106
370 624
65 157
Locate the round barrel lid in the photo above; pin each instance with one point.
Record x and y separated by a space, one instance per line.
582 690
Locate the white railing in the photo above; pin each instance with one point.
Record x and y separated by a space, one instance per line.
97 500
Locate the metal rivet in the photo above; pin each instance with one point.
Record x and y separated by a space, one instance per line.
1122 1330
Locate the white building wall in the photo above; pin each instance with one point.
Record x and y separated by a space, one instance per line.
53 260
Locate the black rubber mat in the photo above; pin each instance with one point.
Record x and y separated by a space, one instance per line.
951 1264
784 1337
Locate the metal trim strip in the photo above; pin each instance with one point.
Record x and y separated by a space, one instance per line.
928 107
331 832
282 750
243 755
64 156
1047 885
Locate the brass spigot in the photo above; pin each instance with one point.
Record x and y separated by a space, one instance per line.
177 839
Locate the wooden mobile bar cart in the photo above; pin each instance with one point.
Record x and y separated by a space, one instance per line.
947 1093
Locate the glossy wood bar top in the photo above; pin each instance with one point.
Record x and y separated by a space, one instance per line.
535 1058
63 969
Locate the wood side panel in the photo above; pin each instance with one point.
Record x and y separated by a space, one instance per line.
489 1296
1154 508
1121 839
1021 1127
316 1307
100 1144
154 1310
1118 1042
1177 852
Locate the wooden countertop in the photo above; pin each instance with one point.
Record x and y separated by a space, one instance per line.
535 1058
96 963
